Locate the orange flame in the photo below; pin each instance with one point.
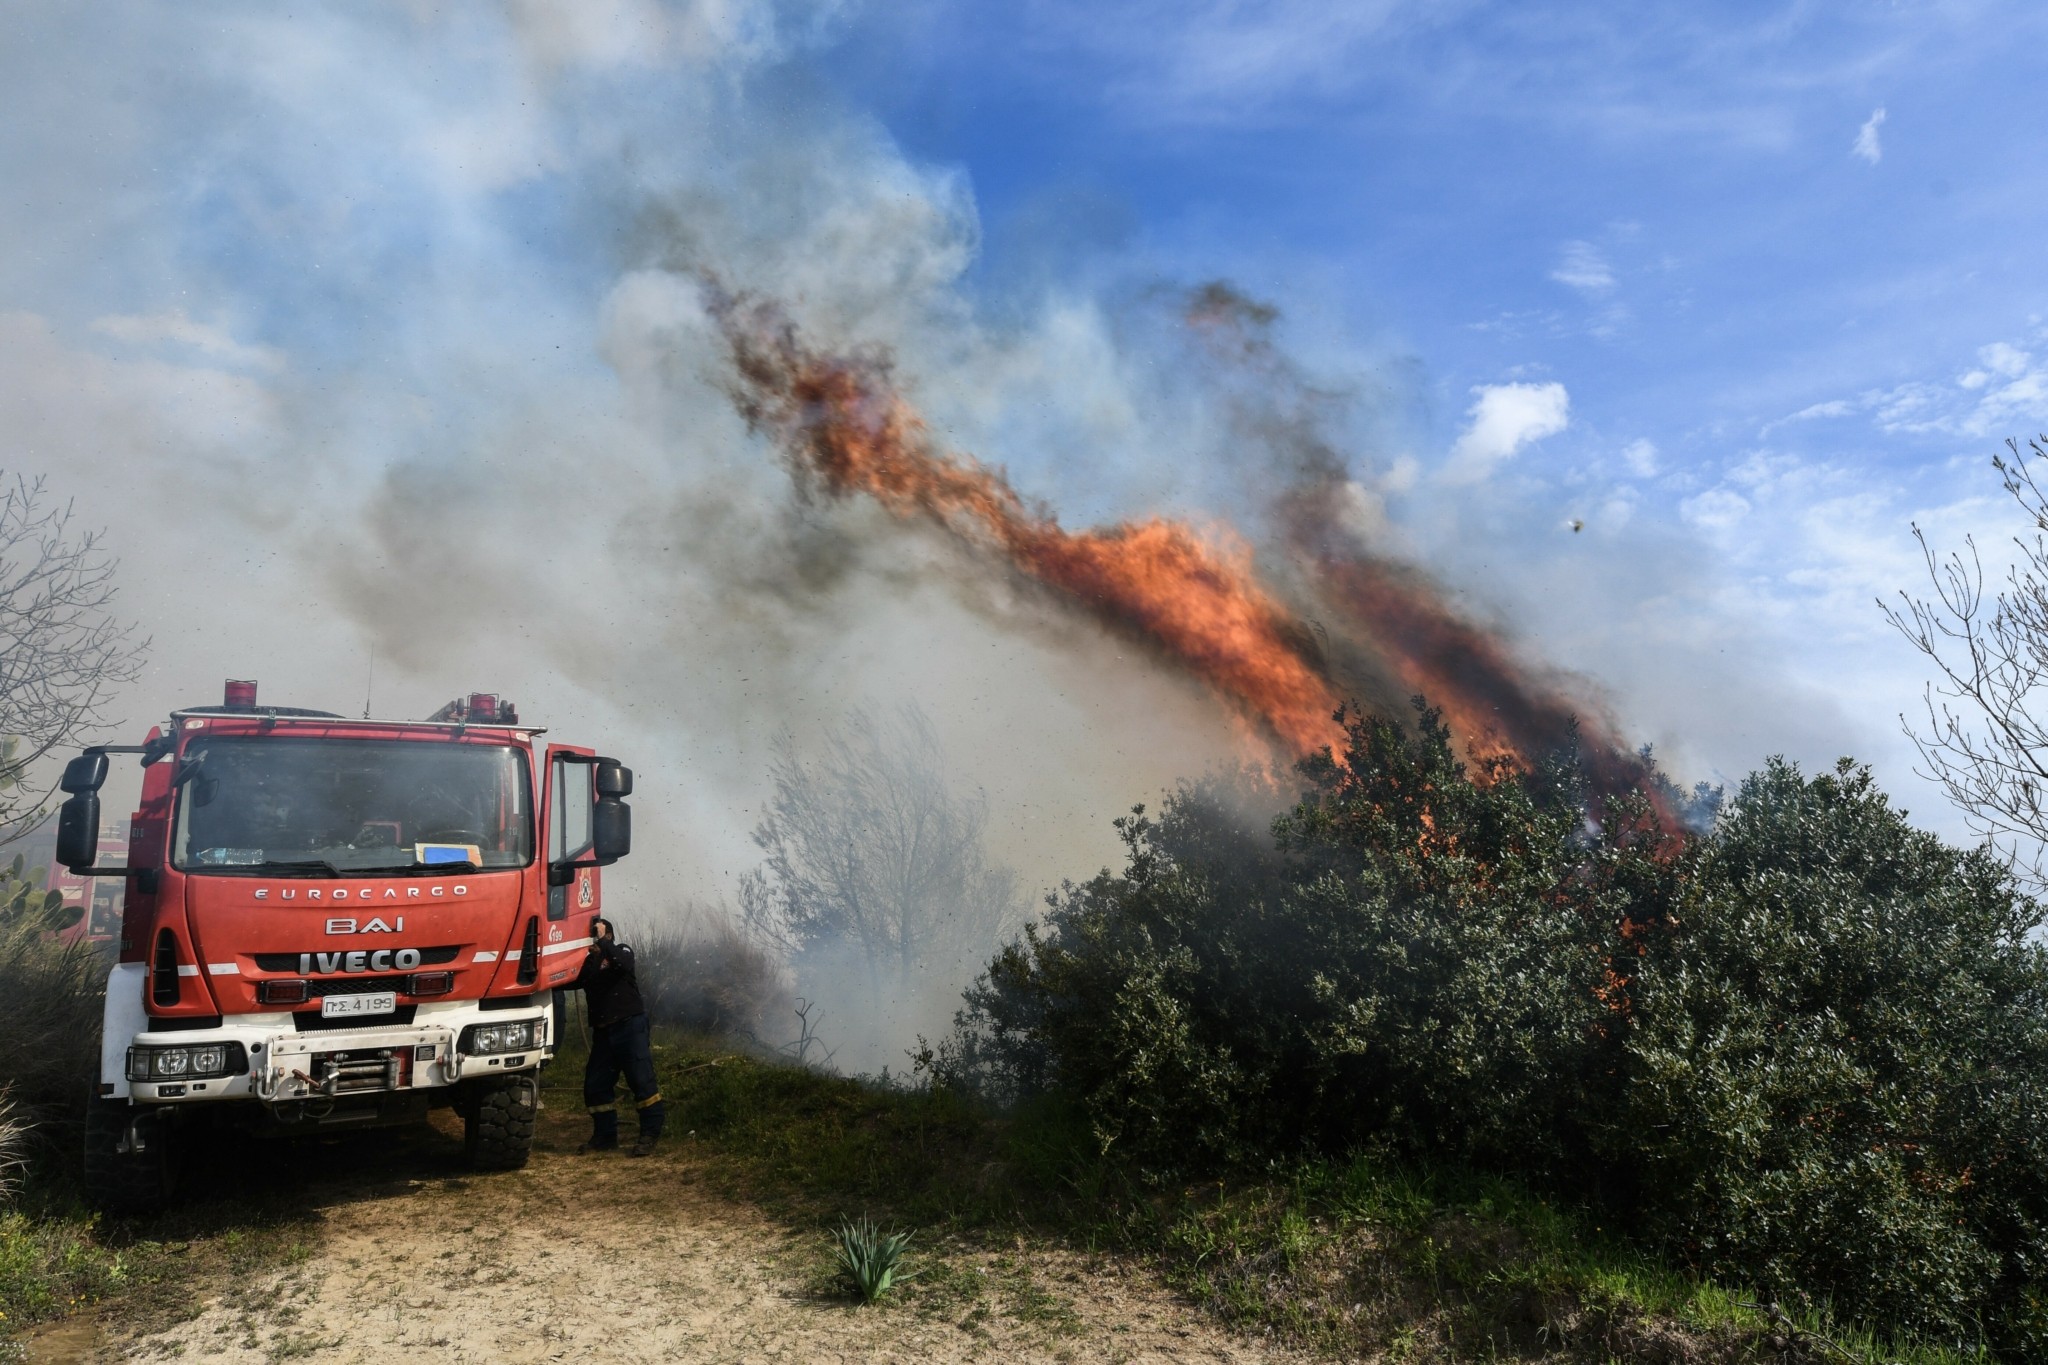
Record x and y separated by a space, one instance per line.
1191 599
1194 600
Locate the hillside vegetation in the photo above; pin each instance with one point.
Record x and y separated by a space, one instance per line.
1435 1067
1804 1054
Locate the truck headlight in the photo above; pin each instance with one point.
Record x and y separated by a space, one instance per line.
187 1061
484 1040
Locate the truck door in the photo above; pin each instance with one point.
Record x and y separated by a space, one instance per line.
569 798
573 892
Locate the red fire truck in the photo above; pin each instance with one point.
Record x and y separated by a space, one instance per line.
91 908
331 922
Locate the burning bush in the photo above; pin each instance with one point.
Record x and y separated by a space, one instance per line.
1807 1050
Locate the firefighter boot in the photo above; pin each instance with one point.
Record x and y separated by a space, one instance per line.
652 1112
604 1131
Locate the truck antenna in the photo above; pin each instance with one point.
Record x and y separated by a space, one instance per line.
370 680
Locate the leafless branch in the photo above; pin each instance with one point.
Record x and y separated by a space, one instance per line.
1985 739
867 844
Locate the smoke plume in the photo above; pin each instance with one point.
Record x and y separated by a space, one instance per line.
1379 633
378 339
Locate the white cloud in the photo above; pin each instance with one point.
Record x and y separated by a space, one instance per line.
1640 457
1584 269
1867 145
1717 509
604 34
1505 417
1215 61
1834 407
2000 358
173 328
2006 392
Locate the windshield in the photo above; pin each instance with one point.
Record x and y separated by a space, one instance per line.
333 806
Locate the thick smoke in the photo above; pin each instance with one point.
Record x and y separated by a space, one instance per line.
1193 602
380 340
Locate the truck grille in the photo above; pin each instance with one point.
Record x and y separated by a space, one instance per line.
356 985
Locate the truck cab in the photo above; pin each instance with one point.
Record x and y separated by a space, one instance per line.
330 922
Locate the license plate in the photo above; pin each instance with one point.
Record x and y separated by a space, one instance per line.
337 1006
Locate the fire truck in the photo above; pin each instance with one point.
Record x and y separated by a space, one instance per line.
332 923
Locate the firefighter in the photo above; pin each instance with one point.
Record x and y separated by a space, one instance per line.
618 1043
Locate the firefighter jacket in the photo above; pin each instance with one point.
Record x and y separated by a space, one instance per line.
608 984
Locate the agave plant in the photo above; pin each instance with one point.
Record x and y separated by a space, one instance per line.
871 1259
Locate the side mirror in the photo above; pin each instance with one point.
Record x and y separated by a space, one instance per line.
611 830
78 824
614 778
86 773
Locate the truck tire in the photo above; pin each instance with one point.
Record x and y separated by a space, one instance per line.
131 1157
498 1127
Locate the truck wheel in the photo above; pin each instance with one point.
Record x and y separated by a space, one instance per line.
131 1157
498 1129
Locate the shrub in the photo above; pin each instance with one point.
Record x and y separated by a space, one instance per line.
1808 1050
1837 1072
700 971
1417 955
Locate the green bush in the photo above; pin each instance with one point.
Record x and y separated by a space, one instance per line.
1417 955
1837 1071
1806 1050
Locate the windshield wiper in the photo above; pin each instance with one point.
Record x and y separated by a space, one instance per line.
415 869
299 865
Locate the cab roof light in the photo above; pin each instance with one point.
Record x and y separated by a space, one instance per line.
240 695
478 708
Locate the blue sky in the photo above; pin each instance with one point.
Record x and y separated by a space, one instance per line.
1745 290
1664 207
1784 260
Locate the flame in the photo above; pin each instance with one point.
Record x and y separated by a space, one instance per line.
1194 599
1190 598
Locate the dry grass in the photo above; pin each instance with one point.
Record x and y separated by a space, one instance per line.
50 995
13 1148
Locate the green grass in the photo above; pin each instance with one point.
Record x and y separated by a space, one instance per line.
1349 1257
1358 1255
247 1209
57 1261
51 1267
1355 1258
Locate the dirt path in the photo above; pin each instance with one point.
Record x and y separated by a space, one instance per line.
642 1261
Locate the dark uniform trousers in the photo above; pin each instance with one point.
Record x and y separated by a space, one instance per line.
616 1049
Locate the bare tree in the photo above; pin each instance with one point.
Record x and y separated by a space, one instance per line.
62 654
868 846
1986 734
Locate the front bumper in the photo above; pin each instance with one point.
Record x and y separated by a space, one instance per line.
286 1066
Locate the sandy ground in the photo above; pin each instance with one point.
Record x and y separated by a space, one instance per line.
610 1259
